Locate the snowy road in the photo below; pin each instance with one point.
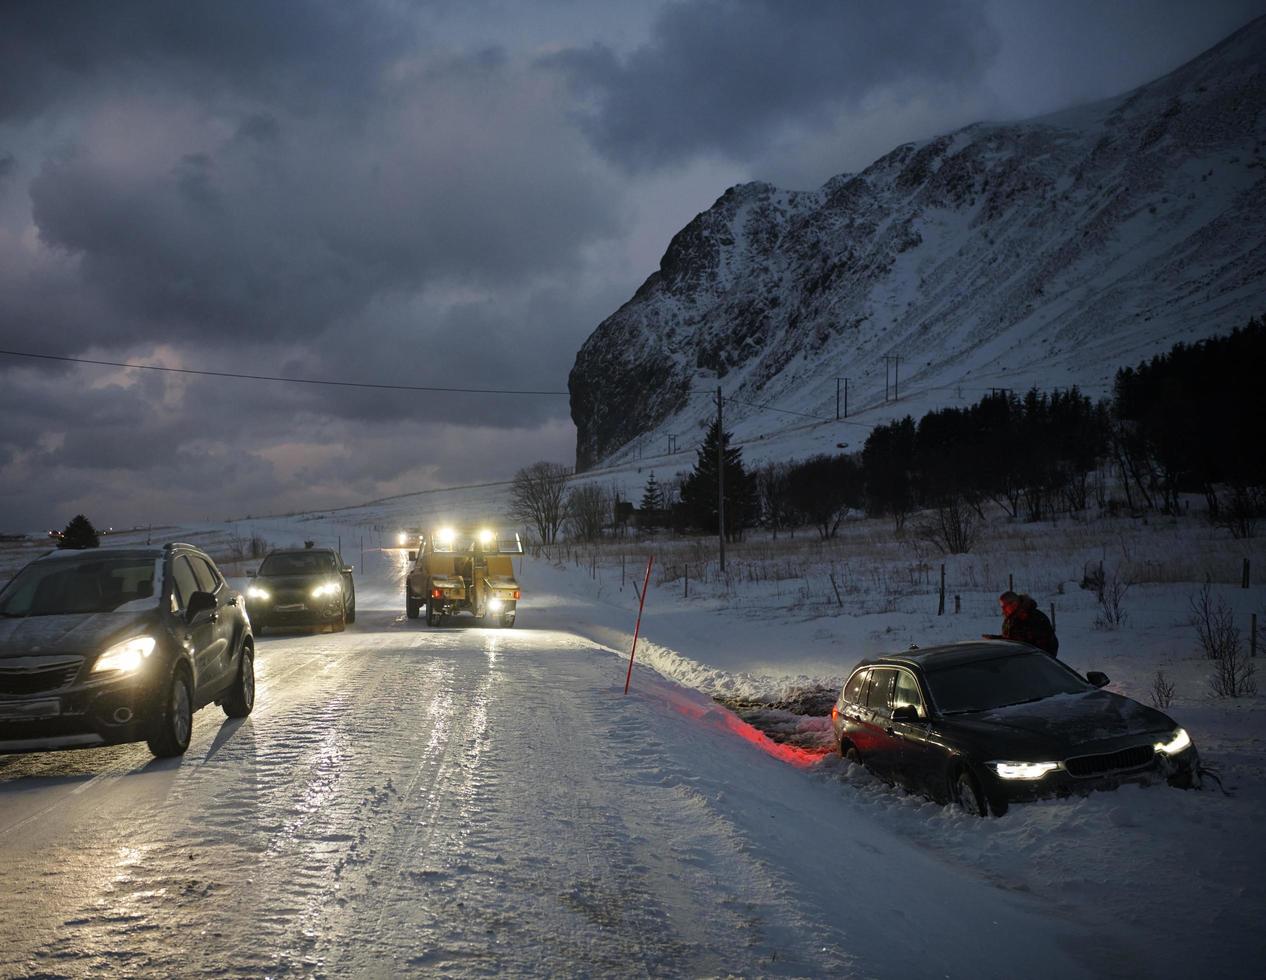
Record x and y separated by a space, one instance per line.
480 802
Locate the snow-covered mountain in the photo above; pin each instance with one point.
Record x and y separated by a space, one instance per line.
1047 252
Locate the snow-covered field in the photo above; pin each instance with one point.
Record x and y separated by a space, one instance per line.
476 802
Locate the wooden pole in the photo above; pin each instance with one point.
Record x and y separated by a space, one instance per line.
650 560
1244 577
1052 615
1252 635
958 604
940 605
685 581
720 481
837 591
1010 582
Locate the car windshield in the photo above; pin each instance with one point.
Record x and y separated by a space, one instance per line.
91 584
982 685
297 563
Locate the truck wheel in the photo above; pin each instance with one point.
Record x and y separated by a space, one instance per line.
507 618
411 606
433 615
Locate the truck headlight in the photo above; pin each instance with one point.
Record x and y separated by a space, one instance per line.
125 657
495 605
1180 741
1023 770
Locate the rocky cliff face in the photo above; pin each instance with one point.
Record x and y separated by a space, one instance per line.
1050 251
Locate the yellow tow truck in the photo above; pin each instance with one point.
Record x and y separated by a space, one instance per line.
464 572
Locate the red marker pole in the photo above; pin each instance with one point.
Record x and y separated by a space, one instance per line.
638 628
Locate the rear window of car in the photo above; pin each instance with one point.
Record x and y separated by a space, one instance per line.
853 689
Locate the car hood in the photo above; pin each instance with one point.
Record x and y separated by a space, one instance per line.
1091 716
293 581
83 633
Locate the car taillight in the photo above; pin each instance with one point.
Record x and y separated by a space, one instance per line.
835 712
437 593
516 593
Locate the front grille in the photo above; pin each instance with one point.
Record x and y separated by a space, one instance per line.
1110 762
17 683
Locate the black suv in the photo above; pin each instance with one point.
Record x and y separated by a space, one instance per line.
112 645
986 723
308 587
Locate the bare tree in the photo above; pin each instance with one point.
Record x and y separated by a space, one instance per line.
952 527
1162 690
538 498
1112 602
588 511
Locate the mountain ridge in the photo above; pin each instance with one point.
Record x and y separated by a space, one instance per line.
1051 250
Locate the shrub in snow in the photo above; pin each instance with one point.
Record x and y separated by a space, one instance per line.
1112 603
952 527
1162 690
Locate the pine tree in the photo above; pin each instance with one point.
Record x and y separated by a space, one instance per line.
79 533
653 495
699 491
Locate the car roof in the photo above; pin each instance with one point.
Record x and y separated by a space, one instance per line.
301 551
951 654
63 554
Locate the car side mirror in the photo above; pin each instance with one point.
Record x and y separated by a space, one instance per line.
905 712
346 569
250 573
1097 677
413 556
199 602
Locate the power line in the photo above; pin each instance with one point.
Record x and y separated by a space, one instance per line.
268 377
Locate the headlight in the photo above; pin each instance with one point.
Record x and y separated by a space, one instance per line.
486 537
255 592
402 539
126 656
326 588
1023 770
495 605
1179 742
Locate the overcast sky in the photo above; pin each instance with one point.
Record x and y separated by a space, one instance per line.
444 193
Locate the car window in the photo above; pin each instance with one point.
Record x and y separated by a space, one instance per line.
906 692
297 563
208 580
185 582
981 685
854 687
880 690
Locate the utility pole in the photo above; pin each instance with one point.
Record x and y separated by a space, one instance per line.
720 481
895 361
837 398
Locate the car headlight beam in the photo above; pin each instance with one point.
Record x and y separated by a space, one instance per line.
256 592
326 589
125 657
1023 770
1180 741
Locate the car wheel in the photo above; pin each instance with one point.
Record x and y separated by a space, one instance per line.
411 606
852 755
351 613
174 723
339 622
967 794
241 696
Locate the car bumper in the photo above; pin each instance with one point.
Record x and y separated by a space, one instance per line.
102 712
1161 768
307 614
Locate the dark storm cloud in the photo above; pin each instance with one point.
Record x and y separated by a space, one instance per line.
53 53
722 76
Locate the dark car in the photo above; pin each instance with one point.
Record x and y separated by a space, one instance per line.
987 723
112 645
308 587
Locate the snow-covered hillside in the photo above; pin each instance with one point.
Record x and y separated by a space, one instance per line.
1048 252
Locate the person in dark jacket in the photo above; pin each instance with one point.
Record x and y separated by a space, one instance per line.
1023 621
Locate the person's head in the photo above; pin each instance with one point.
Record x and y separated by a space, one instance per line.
1009 602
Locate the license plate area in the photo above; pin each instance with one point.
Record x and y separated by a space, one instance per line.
291 607
26 710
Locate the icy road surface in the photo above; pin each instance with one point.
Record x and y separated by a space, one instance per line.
479 802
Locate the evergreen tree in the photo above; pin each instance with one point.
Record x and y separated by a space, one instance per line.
653 495
79 533
699 491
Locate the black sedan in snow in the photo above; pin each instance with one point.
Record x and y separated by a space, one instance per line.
987 723
308 587
112 645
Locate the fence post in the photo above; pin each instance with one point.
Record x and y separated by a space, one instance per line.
1052 615
837 591
685 581
1252 636
622 573
940 605
958 607
650 559
1244 575
1010 582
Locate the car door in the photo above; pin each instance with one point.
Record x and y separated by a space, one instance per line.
220 660
916 751
201 635
349 587
871 738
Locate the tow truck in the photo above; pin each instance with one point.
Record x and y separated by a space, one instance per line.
466 572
